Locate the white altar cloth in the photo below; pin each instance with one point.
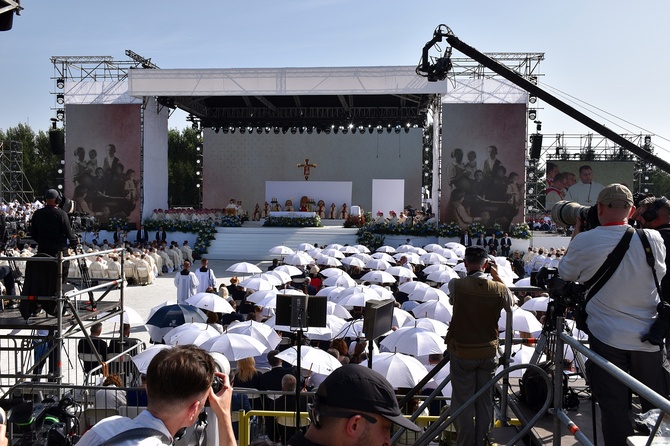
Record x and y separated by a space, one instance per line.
292 214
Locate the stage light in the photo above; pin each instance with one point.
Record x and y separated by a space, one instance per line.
380 129
310 130
353 130
250 130
532 99
326 130
198 148
361 129
397 129
216 130
60 171
60 186
197 172
335 129
302 130
344 130
284 130
60 114
318 130
407 129
276 130
242 130
60 98
197 161
60 83
389 129
232 129
259 130
198 185
370 129
532 114
224 130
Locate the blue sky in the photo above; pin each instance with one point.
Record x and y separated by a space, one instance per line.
610 54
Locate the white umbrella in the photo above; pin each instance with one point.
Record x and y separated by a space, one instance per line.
234 346
210 302
330 252
408 287
441 310
435 267
384 292
363 256
432 258
314 359
521 354
143 359
430 247
281 250
257 330
274 280
386 248
401 272
362 248
328 261
443 276
156 308
377 264
283 276
337 310
439 328
426 294
402 317
342 281
378 277
313 253
404 248
414 341
334 324
258 296
457 248
330 272
536 304
330 291
270 301
522 320
299 258
410 256
335 246
244 268
399 369
383 256
305 247
170 316
357 299
353 261
195 333
351 330
289 269
438 378
130 316
349 250
256 283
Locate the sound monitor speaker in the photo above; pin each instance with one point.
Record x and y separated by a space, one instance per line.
57 142
378 318
301 311
6 18
535 146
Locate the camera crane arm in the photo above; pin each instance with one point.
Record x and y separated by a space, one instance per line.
440 68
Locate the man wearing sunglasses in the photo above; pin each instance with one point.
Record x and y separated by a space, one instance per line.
353 406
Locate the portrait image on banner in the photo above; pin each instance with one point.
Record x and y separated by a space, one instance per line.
483 153
102 160
582 181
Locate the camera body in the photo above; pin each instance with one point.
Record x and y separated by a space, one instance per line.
567 213
564 295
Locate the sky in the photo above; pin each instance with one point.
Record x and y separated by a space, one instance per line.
607 55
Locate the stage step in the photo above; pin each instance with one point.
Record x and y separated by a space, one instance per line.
253 242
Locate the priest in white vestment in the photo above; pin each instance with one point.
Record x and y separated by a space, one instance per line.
186 283
205 276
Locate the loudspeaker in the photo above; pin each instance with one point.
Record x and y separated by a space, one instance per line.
301 311
378 318
6 18
57 142
535 146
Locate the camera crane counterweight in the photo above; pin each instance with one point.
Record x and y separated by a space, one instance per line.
439 69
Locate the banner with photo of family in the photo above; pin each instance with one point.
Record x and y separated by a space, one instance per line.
102 160
483 174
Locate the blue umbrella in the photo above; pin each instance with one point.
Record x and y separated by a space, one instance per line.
170 316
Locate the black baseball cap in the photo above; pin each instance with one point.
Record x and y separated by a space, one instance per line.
51 194
476 252
361 389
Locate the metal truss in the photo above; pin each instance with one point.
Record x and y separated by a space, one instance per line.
14 185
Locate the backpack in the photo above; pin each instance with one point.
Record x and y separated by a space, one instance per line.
533 388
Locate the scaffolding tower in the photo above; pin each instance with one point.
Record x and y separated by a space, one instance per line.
14 185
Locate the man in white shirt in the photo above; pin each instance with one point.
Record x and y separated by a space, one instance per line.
586 191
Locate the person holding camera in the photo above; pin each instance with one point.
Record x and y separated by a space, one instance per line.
171 408
622 311
472 342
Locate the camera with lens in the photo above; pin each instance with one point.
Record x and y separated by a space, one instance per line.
216 385
49 423
661 326
567 213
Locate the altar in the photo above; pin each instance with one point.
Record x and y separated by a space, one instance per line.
330 192
292 214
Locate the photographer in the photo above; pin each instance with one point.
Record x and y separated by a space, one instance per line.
622 311
50 228
179 381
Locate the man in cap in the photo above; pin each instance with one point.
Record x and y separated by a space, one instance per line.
622 311
353 406
472 342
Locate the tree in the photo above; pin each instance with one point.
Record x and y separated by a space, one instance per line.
182 166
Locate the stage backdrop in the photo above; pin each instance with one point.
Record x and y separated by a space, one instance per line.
483 153
102 160
237 166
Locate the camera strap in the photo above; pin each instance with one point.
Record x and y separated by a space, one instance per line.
650 257
600 278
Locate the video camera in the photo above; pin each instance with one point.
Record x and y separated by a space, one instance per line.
49 423
564 296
